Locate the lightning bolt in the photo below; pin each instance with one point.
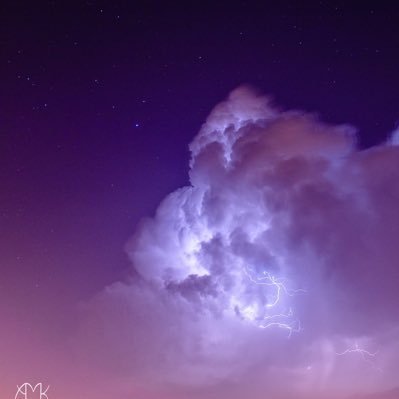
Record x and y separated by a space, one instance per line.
365 354
272 281
356 349
276 320
280 320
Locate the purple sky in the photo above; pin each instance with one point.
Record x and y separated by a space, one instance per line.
273 272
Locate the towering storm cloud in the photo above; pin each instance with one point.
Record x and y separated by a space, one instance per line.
274 273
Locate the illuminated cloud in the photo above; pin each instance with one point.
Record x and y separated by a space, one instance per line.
395 137
279 263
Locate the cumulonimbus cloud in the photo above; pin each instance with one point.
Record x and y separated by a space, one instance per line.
275 271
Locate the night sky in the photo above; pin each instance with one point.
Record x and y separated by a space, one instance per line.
273 273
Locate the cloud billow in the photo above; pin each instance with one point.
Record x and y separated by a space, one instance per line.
280 256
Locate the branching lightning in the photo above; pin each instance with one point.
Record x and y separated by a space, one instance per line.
356 349
365 354
276 320
272 281
281 320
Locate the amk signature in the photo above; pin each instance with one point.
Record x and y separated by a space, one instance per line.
28 391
